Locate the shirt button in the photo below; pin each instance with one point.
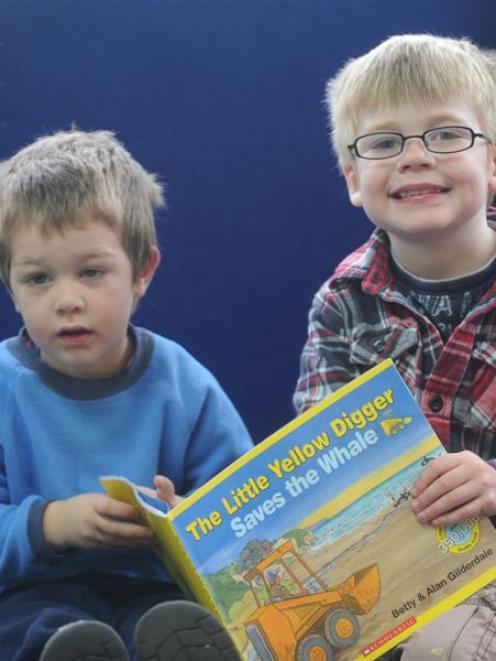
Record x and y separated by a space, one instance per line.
436 403
379 345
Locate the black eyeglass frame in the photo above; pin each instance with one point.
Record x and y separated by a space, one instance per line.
354 152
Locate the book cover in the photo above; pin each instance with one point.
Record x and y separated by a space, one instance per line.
306 546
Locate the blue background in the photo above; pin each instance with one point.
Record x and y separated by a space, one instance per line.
224 101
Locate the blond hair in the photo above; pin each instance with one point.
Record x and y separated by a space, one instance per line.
410 69
61 179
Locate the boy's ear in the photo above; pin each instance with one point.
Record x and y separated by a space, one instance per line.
353 185
145 276
492 174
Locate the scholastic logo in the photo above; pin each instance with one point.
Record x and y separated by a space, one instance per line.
392 633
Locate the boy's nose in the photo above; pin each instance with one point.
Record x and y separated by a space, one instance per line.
415 154
68 300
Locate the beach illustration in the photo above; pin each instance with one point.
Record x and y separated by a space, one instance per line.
327 589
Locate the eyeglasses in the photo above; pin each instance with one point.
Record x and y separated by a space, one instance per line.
442 140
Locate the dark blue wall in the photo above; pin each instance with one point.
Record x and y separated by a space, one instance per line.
224 101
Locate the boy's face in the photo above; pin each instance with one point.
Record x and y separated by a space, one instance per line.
418 194
75 292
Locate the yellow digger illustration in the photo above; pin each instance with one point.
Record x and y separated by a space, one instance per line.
392 426
297 616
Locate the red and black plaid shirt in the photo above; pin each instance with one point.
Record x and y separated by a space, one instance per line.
359 317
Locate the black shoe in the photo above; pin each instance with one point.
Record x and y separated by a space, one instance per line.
182 631
85 640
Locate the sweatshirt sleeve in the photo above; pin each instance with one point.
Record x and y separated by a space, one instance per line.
20 524
24 554
218 437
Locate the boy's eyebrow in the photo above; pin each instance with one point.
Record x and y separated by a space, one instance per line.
26 260
35 261
29 261
450 119
99 255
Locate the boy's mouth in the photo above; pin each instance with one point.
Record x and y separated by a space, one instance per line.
74 335
420 190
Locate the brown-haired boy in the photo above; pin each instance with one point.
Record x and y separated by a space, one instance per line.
83 393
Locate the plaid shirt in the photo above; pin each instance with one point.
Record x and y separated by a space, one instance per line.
359 317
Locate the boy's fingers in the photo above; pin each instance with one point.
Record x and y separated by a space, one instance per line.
148 492
422 498
115 509
453 503
432 472
124 533
467 510
164 485
166 490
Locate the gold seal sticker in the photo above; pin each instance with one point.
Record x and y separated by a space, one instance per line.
459 537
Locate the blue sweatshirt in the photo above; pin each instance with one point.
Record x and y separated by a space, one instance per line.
164 414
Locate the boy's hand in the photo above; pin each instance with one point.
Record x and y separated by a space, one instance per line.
164 490
454 487
94 521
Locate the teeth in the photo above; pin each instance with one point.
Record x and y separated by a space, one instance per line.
413 193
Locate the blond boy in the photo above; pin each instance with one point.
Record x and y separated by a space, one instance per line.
413 127
84 393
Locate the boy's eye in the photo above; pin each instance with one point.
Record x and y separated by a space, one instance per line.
91 274
444 134
390 143
383 143
37 279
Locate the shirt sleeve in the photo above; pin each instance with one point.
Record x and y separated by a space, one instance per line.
325 360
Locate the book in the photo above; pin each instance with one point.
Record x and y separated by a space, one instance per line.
306 547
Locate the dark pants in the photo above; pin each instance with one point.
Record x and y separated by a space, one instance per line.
29 615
